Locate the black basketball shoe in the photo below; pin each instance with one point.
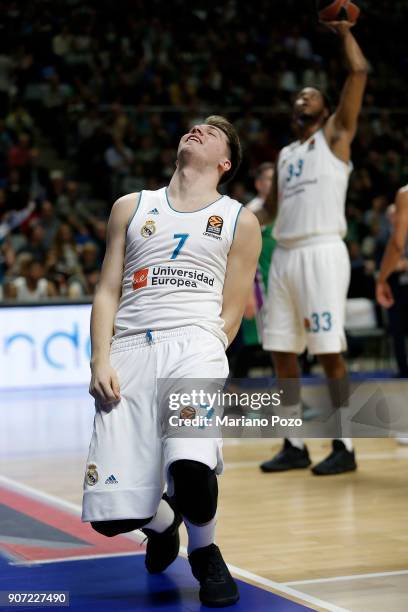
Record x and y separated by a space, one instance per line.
162 548
339 461
217 587
289 458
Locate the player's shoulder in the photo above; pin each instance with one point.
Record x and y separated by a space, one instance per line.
247 221
124 207
402 195
287 150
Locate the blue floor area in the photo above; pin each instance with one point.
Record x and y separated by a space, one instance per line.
121 584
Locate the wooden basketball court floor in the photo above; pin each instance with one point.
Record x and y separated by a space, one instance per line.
337 543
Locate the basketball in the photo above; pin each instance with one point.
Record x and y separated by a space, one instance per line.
337 10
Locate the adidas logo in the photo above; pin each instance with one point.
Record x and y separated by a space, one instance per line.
111 480
154 211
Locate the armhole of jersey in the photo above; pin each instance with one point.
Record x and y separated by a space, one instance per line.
341 164
134 212
236 222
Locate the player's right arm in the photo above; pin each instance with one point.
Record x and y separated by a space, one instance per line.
395 249
104 384
341 127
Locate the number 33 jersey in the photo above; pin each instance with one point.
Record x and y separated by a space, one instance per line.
174 267
312 187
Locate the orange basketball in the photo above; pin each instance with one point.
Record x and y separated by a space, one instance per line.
337 10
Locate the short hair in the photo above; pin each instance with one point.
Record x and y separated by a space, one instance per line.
262 168
233 142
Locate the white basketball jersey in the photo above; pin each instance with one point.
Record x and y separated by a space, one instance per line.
175 264
312 188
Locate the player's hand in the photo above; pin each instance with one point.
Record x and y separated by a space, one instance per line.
104 386
384 294
342 28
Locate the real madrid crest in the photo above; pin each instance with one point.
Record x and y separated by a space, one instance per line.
148 229
91 476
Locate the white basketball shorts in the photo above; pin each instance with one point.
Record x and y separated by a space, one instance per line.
129 457
306 302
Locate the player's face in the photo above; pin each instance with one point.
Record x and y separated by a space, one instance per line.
309 103
206 141
263 184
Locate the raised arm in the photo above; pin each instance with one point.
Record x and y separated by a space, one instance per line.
104 383
395 249
341 127
240 274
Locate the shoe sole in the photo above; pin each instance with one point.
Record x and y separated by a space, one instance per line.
286 468
335 473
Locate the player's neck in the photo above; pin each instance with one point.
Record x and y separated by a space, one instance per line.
190 189
303 133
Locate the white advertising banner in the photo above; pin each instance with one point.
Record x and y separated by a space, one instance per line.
44 346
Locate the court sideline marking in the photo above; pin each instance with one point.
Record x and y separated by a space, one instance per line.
74 508
352 577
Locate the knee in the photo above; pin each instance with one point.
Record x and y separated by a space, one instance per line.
113 528
286 364
196 490
334 365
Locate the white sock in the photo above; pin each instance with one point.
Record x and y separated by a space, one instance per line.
200 536
348 443
297 442
162 519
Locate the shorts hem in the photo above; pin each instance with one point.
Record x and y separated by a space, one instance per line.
326 346
282 343
120 504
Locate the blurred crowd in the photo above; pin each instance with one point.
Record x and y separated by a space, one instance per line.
110 89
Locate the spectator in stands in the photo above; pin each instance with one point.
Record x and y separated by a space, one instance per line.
32 284
119 160
263 185
49 222
35 245
66 251
19 121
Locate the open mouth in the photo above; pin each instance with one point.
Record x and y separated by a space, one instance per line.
196 138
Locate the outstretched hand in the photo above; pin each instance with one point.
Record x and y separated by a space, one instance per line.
338 27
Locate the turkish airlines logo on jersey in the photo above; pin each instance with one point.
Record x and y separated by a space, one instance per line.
140 278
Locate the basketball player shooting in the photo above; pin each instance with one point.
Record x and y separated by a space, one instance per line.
310 270
179 266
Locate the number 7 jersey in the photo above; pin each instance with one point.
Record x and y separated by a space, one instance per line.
175 264
312 188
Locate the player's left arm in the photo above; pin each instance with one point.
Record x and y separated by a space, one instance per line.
395 249
341 127
241 267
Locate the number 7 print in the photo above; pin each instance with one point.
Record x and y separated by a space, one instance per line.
183 238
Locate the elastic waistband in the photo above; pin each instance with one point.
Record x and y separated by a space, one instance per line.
310 241
151 336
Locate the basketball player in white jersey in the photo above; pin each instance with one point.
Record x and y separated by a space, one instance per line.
310 270
179 265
